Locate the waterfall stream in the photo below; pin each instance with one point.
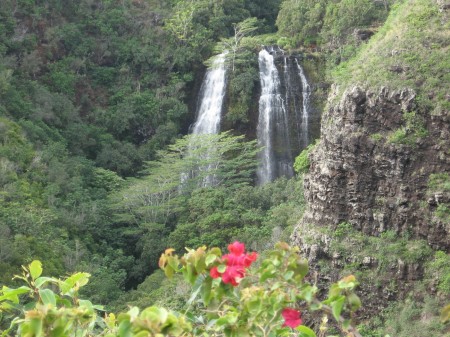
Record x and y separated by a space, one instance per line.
209 115
272 129
212 93
306 94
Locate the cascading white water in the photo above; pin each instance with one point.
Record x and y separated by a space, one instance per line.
272 129
306 94
209 114
211 98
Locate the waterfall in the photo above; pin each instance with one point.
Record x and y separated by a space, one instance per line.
212 93
292 87
209 113
306 94
272 128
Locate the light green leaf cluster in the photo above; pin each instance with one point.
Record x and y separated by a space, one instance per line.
252 307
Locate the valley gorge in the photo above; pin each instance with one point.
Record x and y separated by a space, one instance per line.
137 127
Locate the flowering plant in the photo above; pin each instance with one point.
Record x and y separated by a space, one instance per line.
233 295
232 298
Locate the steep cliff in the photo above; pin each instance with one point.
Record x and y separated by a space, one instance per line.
383 160
378 186
363 174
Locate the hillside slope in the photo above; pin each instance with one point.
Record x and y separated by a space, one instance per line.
383 159
378 187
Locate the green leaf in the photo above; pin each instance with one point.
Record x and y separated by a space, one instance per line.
42 280
346 324
169 271
74 282
124 329
36 326
196 290
35 269
85 303
155 315
305 331
336 307
307 292
206 296
221 268
12 294
47 296
210 259
266 275
315 306
354 301
133 312
302 267
254 307
288 275
141 334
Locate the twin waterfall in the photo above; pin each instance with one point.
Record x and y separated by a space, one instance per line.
282 128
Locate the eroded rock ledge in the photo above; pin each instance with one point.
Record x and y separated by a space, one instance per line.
358 174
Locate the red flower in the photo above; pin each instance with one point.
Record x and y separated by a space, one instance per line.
236 248
291 317
237 261
233 275
250 258
214 273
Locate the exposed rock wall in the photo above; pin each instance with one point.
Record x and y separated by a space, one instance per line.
358 175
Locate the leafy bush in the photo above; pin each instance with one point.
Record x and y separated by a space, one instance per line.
439 270
301 164
227 296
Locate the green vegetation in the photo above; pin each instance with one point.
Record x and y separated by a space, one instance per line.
385 250
228 297
301 164
409 50
409 134
439 184
94 99
411 318
374 261
160 209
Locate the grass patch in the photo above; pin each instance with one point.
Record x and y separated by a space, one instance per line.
410 50
409 134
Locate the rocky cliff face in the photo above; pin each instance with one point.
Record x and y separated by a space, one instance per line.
373 165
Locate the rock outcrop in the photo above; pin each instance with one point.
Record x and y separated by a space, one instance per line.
361 174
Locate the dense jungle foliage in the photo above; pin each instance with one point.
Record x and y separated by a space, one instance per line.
96 97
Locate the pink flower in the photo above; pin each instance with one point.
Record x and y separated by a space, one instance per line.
250 258
237 261
233 275
291 317
236 248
